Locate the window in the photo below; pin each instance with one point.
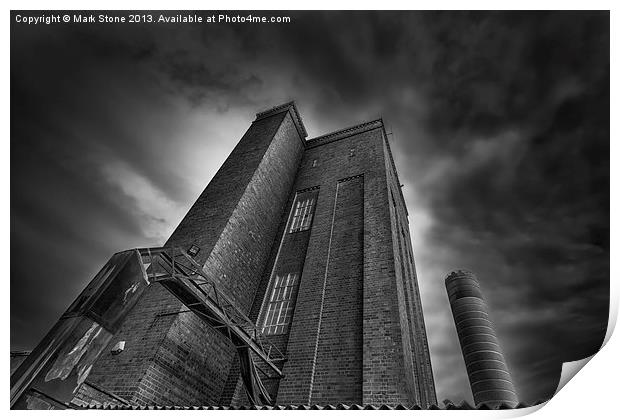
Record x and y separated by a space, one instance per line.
303 215
281 304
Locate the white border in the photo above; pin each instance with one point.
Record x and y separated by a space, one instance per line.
591 395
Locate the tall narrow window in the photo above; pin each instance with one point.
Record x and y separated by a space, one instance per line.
281 304
302 218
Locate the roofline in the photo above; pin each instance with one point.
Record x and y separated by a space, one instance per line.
446 405
335 135
289 106
345 132
357 129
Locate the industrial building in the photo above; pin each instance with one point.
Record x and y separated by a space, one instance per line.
290 281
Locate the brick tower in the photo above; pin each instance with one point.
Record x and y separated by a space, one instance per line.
310 240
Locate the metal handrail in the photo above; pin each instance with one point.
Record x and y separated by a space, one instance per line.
173 263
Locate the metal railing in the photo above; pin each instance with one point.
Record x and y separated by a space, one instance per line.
184 277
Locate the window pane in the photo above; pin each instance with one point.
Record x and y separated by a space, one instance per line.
280 309
302 215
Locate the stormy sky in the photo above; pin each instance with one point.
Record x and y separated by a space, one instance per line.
500 127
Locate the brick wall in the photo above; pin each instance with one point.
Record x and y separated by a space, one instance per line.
332 355
241 253
385 368
357 333
287 256
337 376
419 376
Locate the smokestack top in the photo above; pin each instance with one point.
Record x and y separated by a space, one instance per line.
457 275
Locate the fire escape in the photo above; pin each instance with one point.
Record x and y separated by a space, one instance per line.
182 276
53 374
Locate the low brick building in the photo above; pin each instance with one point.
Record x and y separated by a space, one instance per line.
310 239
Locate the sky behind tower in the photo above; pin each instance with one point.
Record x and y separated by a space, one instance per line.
499 126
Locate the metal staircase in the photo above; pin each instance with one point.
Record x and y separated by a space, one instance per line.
180 274
54 371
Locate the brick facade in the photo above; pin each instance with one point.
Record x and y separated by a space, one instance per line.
357 332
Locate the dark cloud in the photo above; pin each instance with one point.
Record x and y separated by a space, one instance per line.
500 125
524 200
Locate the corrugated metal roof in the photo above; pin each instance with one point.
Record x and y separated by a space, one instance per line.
447 405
